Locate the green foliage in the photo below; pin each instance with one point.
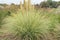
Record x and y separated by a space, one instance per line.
3 14
32 25
50 4
44 4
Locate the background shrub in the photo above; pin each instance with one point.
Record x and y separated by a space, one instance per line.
3 14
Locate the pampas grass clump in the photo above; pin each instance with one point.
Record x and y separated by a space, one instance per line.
32 25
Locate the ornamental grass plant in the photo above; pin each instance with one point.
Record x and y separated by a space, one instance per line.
33 25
